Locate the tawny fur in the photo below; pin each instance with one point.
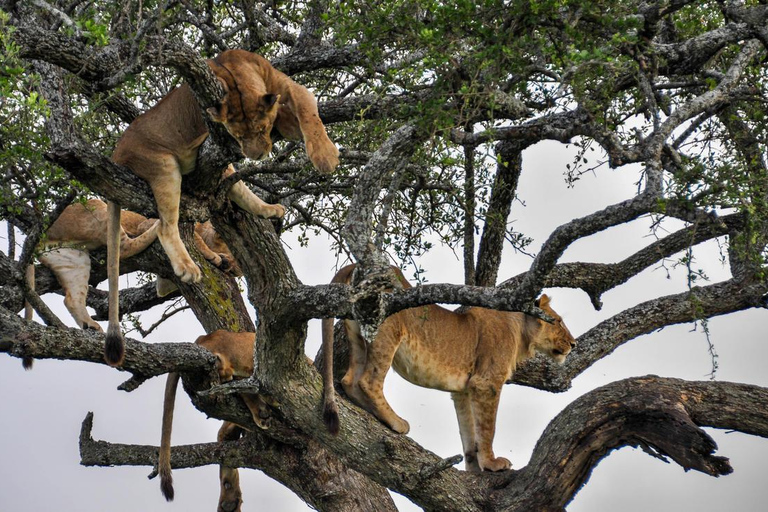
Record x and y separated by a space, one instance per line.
162 144
230 495
469 354
82 227
234 359
65 250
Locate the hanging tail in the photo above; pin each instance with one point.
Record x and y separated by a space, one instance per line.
114 349
330 407
164 457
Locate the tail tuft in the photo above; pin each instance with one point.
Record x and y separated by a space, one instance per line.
114 349
166 485
331 417
27 362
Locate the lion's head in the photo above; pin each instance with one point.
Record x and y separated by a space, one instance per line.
555 340
247 110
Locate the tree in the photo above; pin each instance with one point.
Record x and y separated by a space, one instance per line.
436 106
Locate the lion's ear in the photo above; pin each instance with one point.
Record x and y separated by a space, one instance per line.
542 301
223 84
215 113
270 100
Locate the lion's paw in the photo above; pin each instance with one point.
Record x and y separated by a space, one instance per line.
323 154
188 273
399 425
277 211
496 464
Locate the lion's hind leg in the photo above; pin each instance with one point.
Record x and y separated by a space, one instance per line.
463 405
230 496
484 395
72 268
132 246
358 355
371 383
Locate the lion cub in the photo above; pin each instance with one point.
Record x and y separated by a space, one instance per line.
161 146
234 359
471 354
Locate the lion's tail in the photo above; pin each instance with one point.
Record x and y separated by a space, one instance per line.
330 407
164 458
114 349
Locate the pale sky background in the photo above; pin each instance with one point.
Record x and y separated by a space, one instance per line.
41 411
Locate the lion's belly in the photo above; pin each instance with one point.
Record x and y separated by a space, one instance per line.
416 363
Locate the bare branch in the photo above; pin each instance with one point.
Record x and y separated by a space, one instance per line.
604 338
298 465
662 416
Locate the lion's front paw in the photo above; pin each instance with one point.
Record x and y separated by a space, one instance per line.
276 211
217 261
188 272
399 425
225 262
496 464
323 154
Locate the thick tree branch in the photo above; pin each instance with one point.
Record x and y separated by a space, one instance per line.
22 339
509 166
319 479
661 416
698 304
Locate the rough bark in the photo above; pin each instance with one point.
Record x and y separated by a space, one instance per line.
509 166
353 470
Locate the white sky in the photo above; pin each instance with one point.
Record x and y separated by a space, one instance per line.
41 410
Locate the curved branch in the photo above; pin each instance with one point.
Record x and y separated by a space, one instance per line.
308 470
660 415
597 278
604 338
533 281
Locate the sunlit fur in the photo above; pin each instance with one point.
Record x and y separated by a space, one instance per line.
234 359
470 354
161 146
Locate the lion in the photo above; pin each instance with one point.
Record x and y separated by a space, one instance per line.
234 359
230 494
162 144
82 227
470 354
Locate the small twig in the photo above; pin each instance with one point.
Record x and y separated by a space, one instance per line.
430 470
60 15
134 382
230 388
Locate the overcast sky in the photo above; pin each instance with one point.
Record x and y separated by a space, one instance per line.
41 410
